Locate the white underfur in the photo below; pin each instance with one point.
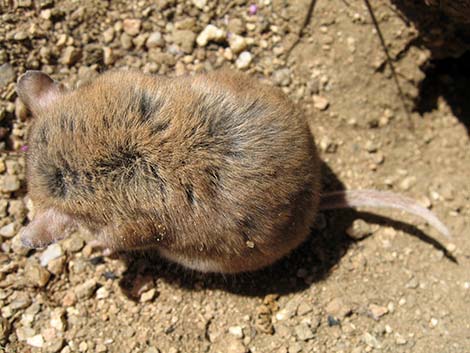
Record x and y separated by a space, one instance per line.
194 264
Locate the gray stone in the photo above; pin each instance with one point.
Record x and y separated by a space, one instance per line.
86 289
10 183
304 332
7 74
184 39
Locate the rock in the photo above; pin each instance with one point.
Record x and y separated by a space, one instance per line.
10 183
70 56
126 41
140 40
20 35
413 283
101 348
57 320
102 293
23 333
244 60
131 26
282 77
303 332
236 26
200 4
304 308
154 40
162 58
320 102
7 75
210 34
237 43
407 183
328 146
184 39
400 340
371 340
359 229
35 274
86 289
52 252
69 299
377 311
108 35
36 341
21 301
8 231
148 295
236 331
289 310
108 57
338 308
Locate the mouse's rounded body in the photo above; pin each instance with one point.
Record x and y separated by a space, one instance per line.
217 172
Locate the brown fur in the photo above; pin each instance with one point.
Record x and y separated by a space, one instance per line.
200 168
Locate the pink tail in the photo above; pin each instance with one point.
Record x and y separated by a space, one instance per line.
380 199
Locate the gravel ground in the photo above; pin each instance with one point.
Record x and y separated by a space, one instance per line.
381 281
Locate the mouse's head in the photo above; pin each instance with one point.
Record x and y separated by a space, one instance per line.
89 153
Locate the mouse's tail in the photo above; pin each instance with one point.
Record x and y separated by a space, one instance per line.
380 199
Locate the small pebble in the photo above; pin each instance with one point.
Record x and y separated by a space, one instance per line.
371 340
7 74
131 26
236 331
237 43
154 40
320 102
200 4
102 293
244 60
338 308
148 295
70 56
377 311
35 274
35 341
303 332
52 252
359 229
108 35
8 231
210 34
10 183
282 77
86 289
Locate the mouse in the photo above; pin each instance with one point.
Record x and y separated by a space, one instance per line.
217 172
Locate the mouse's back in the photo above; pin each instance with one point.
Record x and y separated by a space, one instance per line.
217 172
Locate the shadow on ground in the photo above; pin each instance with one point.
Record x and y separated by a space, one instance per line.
448 78
448 72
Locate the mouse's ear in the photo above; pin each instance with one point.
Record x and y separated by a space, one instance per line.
37 90
46 228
